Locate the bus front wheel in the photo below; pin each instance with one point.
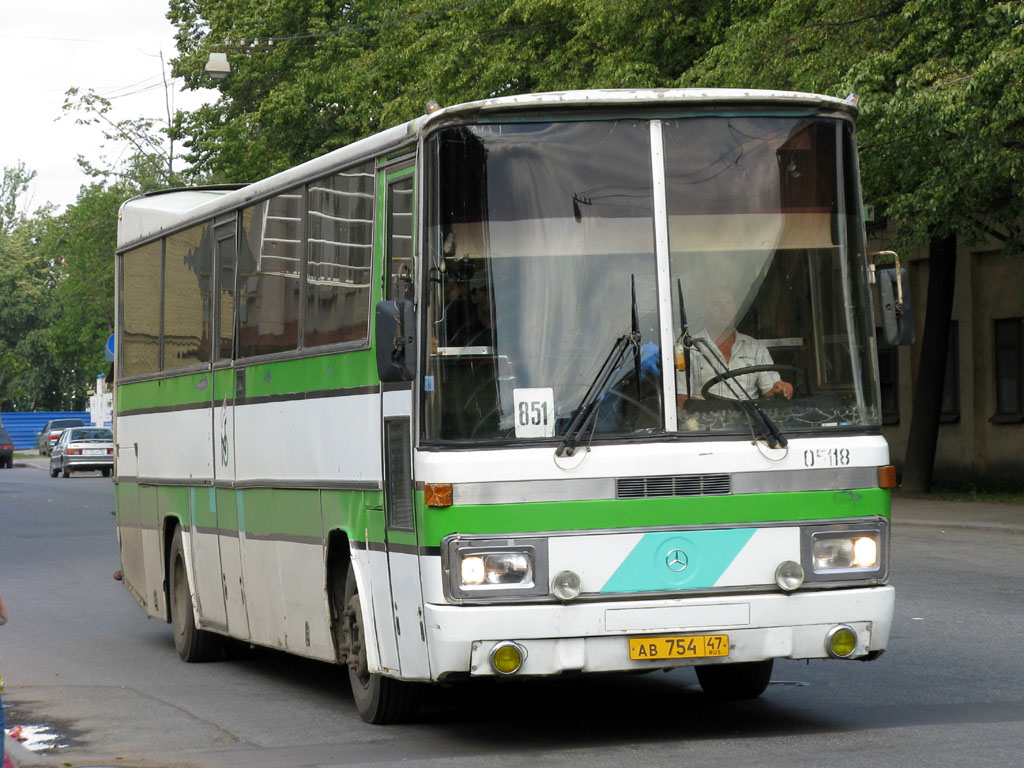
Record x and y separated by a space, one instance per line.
192 643
379 699
731 682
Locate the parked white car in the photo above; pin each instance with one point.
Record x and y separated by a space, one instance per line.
83 448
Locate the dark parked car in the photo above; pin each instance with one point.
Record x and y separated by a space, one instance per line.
6 449
51 433
83 448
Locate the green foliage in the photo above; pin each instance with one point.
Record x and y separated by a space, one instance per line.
308 76
57 300
149 163
28 374
13 190
82 241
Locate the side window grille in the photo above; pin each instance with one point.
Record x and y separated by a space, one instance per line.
398 483
672 485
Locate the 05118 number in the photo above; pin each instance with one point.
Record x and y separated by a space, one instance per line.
827 457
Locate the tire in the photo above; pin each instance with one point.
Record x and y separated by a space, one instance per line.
193 644
105 471
64 471
379 700
732 682
54 471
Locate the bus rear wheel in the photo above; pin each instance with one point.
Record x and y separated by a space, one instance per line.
732 682
379 699
193 644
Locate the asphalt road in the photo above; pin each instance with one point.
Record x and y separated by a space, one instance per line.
81 658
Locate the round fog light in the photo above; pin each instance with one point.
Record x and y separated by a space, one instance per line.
566 586
789 576
507 658
841 641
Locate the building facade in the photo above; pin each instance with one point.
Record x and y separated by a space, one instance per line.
981 433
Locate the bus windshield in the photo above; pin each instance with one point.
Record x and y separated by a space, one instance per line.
541 234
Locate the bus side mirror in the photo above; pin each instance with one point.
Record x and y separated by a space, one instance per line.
395 340
897 315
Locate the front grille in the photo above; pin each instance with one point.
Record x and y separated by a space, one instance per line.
672 485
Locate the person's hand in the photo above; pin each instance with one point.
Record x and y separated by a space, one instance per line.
783 388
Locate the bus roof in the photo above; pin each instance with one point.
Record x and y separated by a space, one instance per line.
152 213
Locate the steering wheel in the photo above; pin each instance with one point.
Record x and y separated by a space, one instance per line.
779 369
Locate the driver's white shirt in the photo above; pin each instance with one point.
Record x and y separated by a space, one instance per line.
746 351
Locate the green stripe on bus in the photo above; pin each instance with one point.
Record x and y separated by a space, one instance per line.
344 370
310 374
165 393
606 514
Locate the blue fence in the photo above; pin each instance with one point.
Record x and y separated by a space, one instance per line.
24 427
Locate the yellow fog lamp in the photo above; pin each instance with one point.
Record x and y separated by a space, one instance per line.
841 641
507 657
789 576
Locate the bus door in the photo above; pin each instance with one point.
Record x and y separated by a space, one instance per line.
229 385
396 192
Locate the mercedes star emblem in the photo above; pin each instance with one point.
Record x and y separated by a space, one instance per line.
676 560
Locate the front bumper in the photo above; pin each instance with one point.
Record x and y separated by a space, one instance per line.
594 637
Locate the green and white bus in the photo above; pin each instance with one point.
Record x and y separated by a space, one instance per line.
459 400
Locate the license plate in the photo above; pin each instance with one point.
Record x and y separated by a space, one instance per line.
679 647
98 452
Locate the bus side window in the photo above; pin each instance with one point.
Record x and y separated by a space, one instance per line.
140 310
400 242
340 257
188 278
269 259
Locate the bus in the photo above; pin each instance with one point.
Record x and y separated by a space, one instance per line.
572 382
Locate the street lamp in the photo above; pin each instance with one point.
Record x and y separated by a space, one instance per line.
217 66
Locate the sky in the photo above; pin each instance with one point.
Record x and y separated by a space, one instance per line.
110 46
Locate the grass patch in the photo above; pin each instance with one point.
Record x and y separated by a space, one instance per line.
993 491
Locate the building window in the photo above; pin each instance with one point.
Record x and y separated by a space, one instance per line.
888 379
950 411
1009 360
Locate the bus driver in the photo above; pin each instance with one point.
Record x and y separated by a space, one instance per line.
733 350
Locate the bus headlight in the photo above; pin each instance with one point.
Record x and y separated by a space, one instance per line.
503 568
489 569
857 550
846 552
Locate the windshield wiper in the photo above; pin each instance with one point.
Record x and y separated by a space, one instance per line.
586 411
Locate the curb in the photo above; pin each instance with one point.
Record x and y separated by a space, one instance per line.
19 755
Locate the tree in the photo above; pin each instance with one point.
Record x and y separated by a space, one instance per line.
941 132
308 76
82 241
28 374
15 200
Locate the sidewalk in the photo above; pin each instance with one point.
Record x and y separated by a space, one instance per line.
968 515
